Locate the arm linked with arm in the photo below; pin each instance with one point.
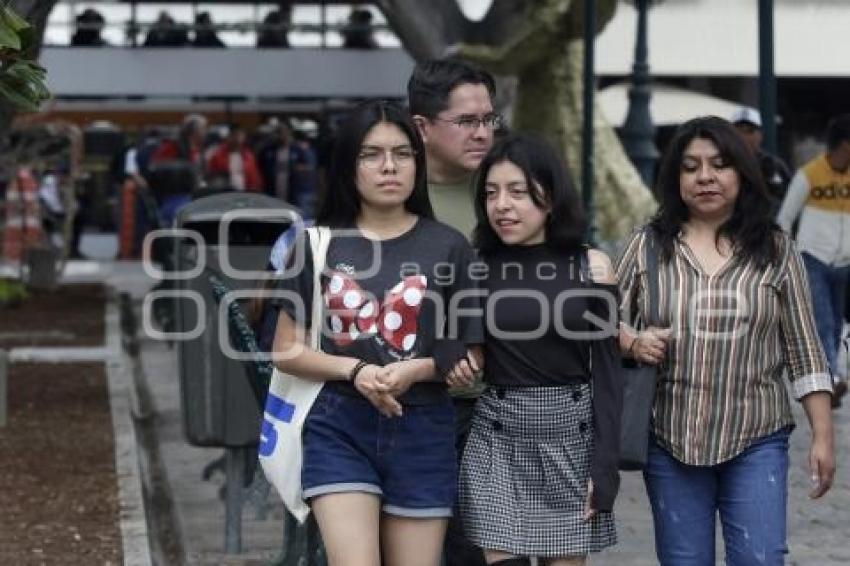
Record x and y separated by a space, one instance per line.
458 355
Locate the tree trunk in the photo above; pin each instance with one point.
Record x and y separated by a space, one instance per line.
425 28
540 43
428 29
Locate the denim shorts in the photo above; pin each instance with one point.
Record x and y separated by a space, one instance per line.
408 461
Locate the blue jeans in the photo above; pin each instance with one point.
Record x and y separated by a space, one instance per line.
829 292
750 491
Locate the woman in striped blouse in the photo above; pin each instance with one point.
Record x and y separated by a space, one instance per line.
734 315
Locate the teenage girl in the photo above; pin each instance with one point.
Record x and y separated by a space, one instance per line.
539 475
379 469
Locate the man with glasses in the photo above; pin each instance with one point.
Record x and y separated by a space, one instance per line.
451 103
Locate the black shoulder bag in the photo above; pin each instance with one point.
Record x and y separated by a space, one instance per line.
640 381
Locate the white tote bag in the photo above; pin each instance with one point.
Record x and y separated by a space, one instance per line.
288 402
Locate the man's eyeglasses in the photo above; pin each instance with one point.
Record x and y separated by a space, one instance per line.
376 157
470 122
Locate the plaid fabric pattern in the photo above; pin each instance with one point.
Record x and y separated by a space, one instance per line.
524 474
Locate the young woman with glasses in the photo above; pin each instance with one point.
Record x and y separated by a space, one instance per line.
379 460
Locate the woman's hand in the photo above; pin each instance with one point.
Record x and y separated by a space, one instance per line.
589 511
396 378
650 346
463 373
822 466
822 452
370 386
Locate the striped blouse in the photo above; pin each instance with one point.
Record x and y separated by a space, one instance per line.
734 334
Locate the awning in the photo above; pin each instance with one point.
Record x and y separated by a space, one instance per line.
668 106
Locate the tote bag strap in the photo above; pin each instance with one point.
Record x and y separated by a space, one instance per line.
320 239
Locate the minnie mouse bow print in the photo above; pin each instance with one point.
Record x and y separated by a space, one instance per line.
355 313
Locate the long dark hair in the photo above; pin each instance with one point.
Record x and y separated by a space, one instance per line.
751 228
341 203
540 164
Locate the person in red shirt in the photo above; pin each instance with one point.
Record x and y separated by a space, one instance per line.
236 162
189 144
177 168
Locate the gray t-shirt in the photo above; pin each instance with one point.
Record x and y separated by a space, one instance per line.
398 311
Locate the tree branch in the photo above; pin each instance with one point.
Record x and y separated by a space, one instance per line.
426 29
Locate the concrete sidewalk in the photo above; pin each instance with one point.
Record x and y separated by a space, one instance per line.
199 513
818 531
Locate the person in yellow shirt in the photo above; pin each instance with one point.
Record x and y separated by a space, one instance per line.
819 195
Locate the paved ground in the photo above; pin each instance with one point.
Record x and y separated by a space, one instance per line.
818 531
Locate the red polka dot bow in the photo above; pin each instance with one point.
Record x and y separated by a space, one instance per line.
354 313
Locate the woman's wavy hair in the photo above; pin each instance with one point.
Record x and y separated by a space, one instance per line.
341 203
541 166
751 228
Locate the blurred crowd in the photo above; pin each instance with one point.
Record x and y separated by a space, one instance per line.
272 32
93 176
199 160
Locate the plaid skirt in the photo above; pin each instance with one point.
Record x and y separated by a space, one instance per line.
524 473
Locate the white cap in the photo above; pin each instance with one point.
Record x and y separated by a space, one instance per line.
746 114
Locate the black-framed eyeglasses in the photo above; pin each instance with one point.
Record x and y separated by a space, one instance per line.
470 122
375 157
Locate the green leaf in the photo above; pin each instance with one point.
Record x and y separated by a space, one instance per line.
15 32
22 80
9 38
23 86
29 41
32 77
17 23
9 92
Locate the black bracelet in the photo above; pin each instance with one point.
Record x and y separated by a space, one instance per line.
352 375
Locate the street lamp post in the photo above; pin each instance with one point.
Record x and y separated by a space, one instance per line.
767 76
587 119
638 131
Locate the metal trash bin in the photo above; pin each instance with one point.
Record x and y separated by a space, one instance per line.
219 407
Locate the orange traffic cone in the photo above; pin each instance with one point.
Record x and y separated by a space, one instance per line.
34 235
127 236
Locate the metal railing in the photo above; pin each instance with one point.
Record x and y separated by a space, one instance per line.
132 29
